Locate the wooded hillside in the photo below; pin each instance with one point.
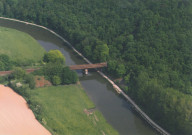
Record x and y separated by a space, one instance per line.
147 42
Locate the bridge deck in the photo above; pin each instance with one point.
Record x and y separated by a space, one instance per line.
73 67
88 66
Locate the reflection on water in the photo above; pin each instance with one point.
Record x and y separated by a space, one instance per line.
114 108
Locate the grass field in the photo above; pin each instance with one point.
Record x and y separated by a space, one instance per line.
19 46
63 111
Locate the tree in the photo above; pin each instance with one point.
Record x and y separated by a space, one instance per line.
18 73
58 74
101 53
2 66
56 80
1 8
127 78
5 60
120 70
29 78
138 33
51 70
68 76
54 56
111 66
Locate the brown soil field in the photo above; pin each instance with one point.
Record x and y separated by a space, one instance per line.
15 116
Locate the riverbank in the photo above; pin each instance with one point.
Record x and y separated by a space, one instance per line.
15 116
135 106
68 110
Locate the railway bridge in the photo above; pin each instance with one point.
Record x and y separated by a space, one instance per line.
85 67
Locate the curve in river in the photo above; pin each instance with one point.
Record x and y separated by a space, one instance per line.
115 109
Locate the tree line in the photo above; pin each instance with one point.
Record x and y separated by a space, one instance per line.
145 42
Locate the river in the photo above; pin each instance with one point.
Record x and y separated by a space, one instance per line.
115 109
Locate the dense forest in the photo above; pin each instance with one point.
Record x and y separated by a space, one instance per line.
148 43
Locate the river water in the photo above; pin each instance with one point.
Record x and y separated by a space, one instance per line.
115 109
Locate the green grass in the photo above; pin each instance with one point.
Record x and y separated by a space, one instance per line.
19 46
63 111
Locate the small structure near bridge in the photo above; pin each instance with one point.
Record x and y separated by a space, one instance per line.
85 67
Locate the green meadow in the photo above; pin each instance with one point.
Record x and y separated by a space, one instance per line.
19 46
63 111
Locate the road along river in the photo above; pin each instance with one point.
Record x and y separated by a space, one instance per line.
116 110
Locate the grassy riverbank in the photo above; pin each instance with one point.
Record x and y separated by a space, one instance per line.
63 111
19 46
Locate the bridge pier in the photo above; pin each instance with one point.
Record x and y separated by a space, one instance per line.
85 71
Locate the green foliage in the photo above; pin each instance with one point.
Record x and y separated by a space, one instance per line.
29 78
66 104
54 56
5 63
19 47
166 103
68 76
19 76
149 39
2 79
112 64
2 66
127 78
116 69
120 70
101 53
1 8
18 73
36 108
20 90
58 73
39 72
126 88
56 80
51 70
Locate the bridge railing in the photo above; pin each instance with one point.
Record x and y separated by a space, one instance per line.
88 66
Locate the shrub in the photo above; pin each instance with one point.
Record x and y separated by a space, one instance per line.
51 70
2 79
56 80
54 56
39 72
30 80
2 66
18 73
68 76
5 63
